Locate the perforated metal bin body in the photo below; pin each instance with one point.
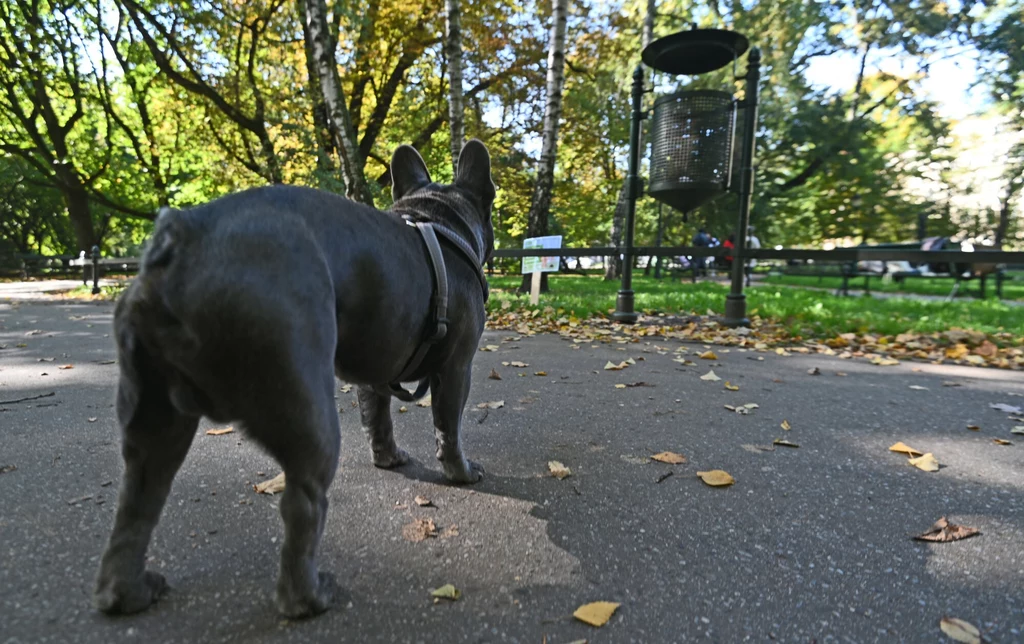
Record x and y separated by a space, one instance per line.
691 147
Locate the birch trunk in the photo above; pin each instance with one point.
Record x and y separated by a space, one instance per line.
540 204
456 109
613 266
322 46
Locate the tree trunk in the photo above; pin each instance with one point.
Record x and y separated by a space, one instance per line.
318 107
1005 210
540 204
456 109
322 46
613 268
77 201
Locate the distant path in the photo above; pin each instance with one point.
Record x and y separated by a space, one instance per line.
41 289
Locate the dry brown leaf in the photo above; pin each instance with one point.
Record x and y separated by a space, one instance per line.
67 366
905 449
943 531
494 404
494 375
447 591
960 630
708 355
783 443
220 432
928 463
540 373
1001 441
731 387
716 478
450 531
422 501
785 425
596 613
669 457
710 376
611 366
974 428
419 530
403 409
271 486
558 470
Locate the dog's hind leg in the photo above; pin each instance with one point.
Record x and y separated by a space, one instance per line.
304 435
156 437
375 412
449 390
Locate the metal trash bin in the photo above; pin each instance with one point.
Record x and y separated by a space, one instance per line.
691 147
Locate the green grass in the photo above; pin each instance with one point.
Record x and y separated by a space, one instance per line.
802 312
1012 289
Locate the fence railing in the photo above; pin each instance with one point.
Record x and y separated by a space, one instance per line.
838 255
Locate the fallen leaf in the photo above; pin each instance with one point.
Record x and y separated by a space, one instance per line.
918 388
558 470
446 592
782 352
758 448
517 363
596 613
884 362
928 463
403 409
669 457
423 501
943 531
752 406
731 387
67 366
220 432
1018 429
419 530
611 366
716 478
783 443
620 386
490 347
346 388
1001 441
494 375
631 360
785 425
710 376
708 355
494 404
540 373
904 449
957 351
949 383
425 402
841 374
960 630
1009 409
271 486
814 371
450 531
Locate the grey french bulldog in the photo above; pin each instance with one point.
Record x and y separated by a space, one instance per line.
245 309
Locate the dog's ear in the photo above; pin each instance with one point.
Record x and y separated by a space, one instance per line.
474 173
408 171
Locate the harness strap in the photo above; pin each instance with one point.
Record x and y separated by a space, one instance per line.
440 315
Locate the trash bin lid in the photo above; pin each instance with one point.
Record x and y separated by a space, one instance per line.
695 51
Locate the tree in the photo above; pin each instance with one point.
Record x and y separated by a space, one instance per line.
540 204
456 108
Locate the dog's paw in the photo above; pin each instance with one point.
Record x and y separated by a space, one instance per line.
296 606
463 472
390 458
115 597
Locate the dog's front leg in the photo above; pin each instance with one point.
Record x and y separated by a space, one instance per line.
449 390
375 413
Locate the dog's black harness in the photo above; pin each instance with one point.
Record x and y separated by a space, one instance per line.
438 328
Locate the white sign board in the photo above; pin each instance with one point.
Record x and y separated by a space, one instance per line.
541 264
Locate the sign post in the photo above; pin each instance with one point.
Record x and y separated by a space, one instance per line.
536 265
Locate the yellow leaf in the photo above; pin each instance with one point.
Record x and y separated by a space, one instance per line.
928 463
630 361
708 355
596 613
884 362
558 470
716 478
782 352
710 376
960 630
518 363
620 386
905 449
731 387
272 486
403 409
425 402
219 432
67 366
669 457
785 425
540 373
447 591
346 388
957 351
1001 441
611 366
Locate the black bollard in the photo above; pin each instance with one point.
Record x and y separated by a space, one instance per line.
95 270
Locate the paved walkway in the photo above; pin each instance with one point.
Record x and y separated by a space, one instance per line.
810 544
